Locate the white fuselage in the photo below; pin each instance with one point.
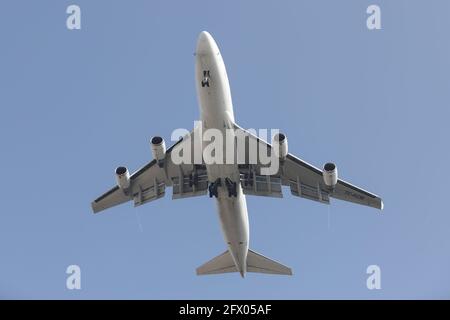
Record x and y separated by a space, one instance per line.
216 112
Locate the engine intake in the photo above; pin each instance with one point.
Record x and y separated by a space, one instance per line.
280 145
158 148
123 178
330 174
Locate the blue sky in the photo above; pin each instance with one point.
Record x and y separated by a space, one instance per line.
76 104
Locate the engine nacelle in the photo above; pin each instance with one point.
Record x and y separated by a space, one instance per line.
280 145
330 174
123 178
158 148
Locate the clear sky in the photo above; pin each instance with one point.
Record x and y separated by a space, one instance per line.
76 104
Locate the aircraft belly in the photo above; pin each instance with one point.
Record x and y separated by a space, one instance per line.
234 222
216 112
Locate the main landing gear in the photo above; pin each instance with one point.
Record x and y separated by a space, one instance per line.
213 188
230 185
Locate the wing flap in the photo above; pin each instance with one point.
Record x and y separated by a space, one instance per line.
151 193
259 185
303 190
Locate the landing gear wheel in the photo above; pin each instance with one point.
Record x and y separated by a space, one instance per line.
231 187
213 189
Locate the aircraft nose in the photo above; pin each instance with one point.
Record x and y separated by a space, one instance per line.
204 35
205 43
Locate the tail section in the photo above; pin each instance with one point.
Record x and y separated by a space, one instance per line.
256 262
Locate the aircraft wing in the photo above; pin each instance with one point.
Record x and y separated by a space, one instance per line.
149 182
304 180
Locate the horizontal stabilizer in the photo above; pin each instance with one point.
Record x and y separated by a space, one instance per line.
260 264
256 262
221 264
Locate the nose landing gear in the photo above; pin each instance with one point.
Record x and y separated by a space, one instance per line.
205 81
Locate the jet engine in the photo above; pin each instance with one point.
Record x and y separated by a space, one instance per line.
158 148
280 145
330 174
123 178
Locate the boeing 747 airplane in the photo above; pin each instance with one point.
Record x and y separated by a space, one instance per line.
228 182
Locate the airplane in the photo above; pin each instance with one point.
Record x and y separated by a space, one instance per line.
228 183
